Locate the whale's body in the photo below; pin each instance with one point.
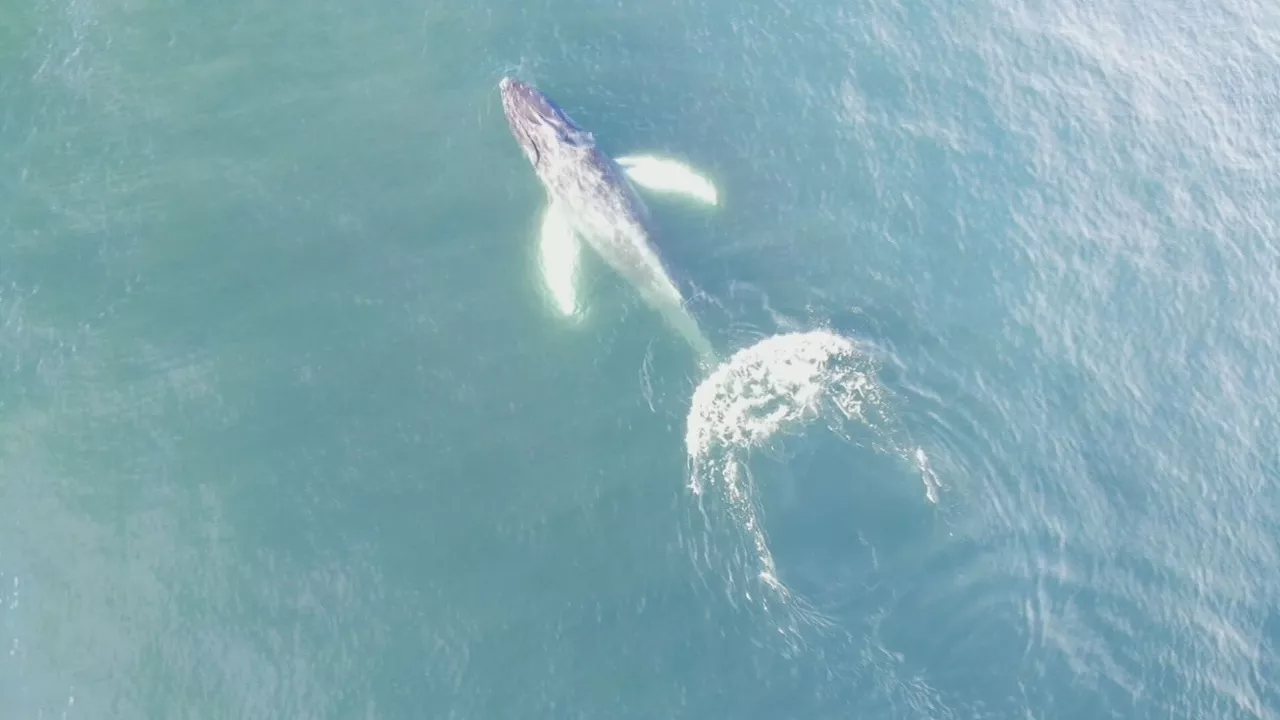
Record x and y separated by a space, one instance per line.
591 195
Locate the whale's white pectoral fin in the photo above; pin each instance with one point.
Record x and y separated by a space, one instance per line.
670 176
559 254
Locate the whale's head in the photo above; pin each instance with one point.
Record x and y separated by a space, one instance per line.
538 124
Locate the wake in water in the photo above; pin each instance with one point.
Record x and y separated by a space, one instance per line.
775 388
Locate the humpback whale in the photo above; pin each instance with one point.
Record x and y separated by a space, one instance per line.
592 200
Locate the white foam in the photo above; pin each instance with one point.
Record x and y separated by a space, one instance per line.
776 383
769 388
779 386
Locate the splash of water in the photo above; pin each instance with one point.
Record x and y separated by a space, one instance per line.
771 388
778 387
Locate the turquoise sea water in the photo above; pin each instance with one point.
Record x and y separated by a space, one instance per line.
288 430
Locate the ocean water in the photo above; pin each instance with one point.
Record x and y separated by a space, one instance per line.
289 429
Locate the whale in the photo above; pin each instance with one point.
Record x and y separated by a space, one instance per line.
592 200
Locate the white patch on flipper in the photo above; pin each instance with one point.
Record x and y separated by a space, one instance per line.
661 174
559 254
